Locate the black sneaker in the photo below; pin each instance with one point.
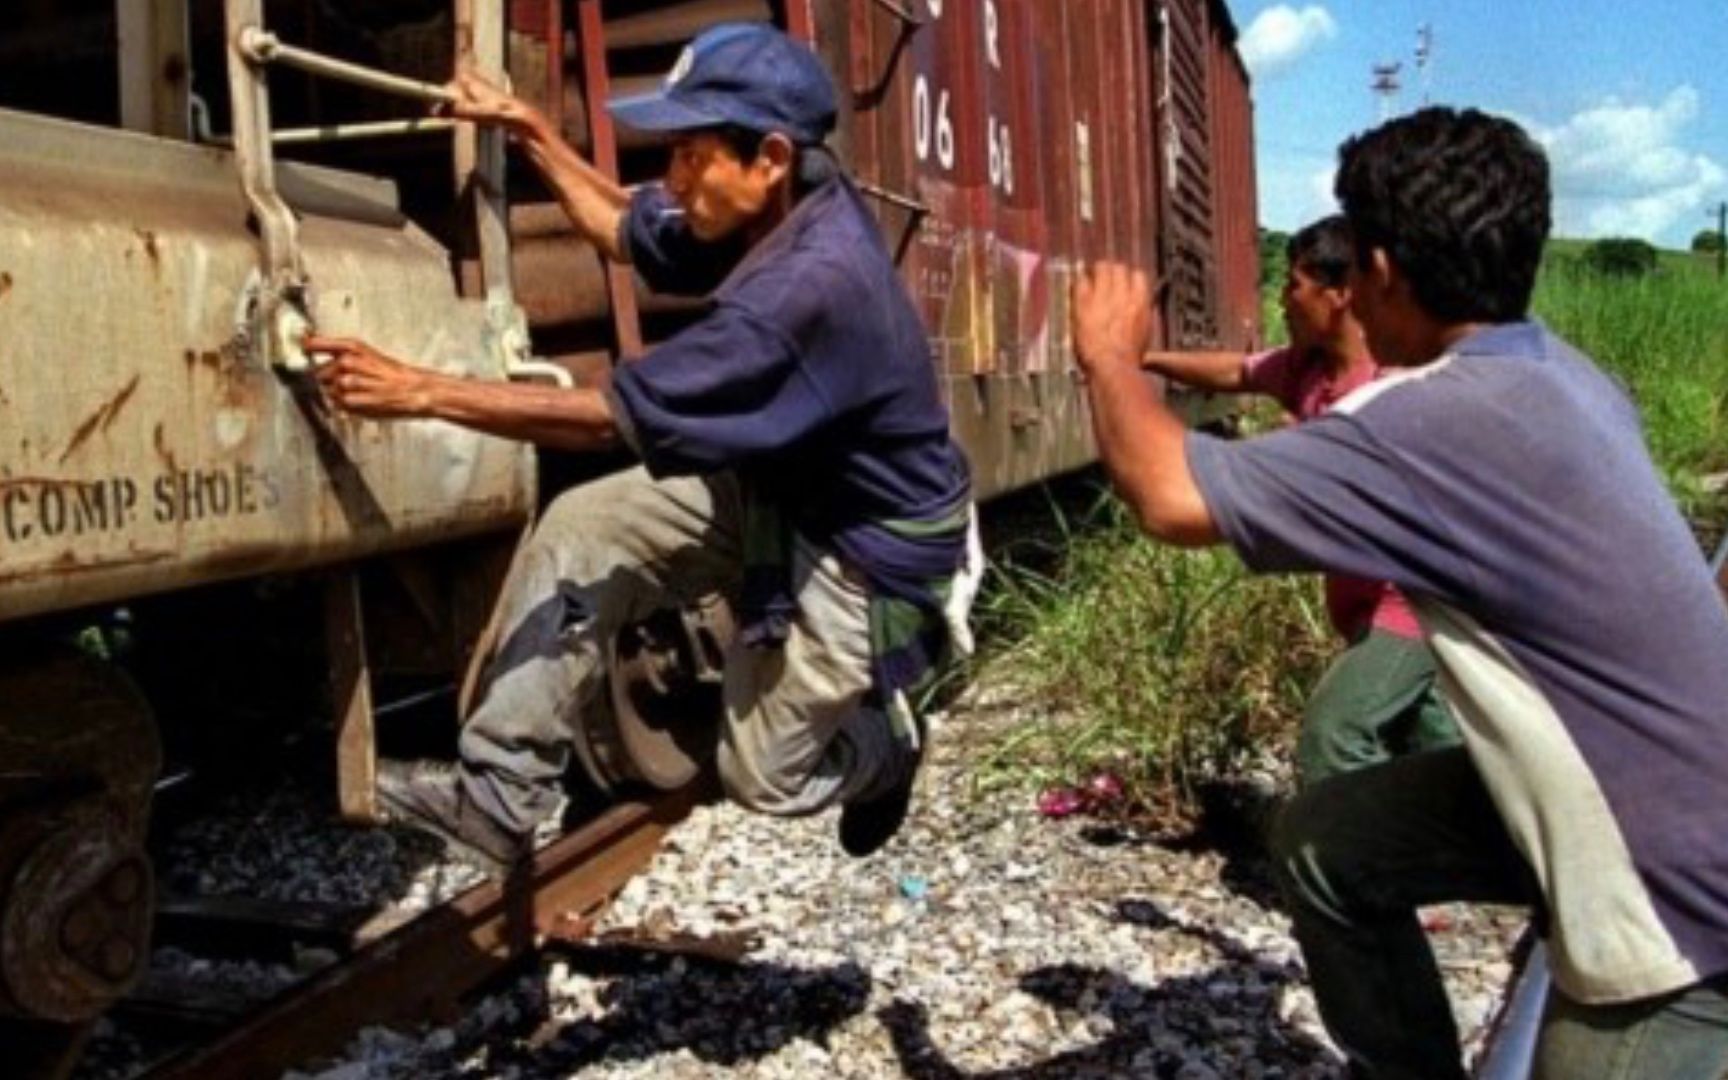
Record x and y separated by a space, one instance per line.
869 823
428 795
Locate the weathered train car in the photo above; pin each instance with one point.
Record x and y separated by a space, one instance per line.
161 451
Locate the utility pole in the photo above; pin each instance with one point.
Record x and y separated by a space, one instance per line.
1424 54
1385 85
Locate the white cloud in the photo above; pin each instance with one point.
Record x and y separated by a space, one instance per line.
1281 35
1321 200
1295 189
1623 169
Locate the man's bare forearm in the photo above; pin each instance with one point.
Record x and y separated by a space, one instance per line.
1144 447
593 200
1202 370
549 416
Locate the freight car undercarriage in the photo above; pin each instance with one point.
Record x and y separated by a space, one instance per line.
167 474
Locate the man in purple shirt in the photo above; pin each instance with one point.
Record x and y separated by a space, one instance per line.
796 461
1500 481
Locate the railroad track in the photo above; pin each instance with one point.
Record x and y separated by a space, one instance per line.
425 966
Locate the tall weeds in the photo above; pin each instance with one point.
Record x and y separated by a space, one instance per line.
1167 667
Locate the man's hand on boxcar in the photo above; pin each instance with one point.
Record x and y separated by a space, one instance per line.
361 380
477 99
1142 445
1112 318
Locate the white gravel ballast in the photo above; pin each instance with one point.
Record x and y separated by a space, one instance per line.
986 941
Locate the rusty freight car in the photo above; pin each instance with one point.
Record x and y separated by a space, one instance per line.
186 185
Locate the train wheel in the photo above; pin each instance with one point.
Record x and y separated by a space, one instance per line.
663 718
76 889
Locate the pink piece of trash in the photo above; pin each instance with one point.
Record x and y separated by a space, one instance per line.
1060 802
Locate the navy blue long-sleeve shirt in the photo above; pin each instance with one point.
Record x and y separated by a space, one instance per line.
810 374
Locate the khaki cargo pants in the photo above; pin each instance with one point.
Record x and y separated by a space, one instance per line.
797 736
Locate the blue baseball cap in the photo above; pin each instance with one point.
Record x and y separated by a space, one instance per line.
749 75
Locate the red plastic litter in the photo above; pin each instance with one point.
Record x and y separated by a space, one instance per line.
1060 802
1105 787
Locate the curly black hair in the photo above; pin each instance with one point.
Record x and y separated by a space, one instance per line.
1324 250
1459 200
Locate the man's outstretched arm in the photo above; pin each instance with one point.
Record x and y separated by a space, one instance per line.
1142 444
361 380
1202 370
594 202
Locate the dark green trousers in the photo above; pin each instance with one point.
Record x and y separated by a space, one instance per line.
1376 702
1358 853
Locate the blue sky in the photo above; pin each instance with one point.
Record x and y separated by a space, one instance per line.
1630 98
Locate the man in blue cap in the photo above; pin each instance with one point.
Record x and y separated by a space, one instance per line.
795 454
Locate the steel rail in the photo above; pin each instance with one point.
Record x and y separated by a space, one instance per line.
423 968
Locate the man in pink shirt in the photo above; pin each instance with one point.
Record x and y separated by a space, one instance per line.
1378 699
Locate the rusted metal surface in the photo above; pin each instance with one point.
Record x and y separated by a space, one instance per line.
799 19
155 67
1009 121
554 52
677 23
596 82
1184 54
1234 178
144 444
561 280
351 699
423 968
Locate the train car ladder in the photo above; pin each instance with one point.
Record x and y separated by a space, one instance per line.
281 308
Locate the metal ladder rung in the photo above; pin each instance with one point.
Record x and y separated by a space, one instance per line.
262 47
372 129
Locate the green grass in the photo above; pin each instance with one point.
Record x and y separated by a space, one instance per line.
1665 335
1167 667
